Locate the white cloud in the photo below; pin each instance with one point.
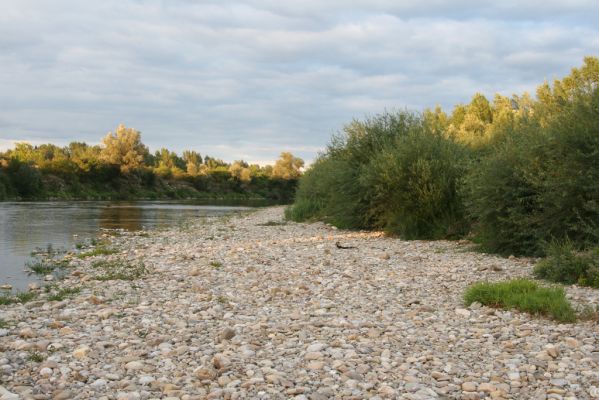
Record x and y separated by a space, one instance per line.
233 79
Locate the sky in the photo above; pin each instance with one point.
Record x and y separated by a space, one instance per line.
249 79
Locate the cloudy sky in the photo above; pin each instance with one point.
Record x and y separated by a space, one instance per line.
248 79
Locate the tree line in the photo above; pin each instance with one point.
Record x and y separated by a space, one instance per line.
122 167
515 174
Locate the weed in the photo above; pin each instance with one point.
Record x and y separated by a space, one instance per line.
98 251
564 264
3 324
524 295
119 270
64 293
24 297
6 299
216 264
36 356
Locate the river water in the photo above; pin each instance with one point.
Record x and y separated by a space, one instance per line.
25 227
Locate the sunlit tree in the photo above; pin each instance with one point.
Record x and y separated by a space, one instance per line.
124 148
287 166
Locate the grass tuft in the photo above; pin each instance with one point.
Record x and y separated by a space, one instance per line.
64 293
99 251
20 297
524 295
119 270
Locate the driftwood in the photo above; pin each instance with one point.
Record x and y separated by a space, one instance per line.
339 246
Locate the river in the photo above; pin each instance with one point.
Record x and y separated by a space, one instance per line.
25 227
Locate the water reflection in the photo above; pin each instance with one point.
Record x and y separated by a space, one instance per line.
27 226
128 218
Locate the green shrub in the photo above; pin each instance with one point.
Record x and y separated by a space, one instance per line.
539 181
389 172
524 295
414 184
563 264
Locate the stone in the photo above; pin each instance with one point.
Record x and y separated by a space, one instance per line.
462 312
469 386
552 351
227 334
204 373
81 352
487 387
27 333
134 365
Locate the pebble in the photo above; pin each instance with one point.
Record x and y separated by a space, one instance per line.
290 315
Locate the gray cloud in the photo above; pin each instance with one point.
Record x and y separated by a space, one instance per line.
249 79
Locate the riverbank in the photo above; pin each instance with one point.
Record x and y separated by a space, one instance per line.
253 307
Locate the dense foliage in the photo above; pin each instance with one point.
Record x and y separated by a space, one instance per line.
513 173
123 168
564 264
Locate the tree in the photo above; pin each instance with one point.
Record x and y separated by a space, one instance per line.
240 170
287 166
124 148
193 161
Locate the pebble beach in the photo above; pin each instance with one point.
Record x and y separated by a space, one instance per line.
254 307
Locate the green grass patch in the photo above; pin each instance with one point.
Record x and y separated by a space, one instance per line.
99 251
24 297
19 297
6 299
524 295
3 324
64 293
35 356
119 270
45 266
216 264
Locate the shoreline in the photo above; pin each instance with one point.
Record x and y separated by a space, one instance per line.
250 306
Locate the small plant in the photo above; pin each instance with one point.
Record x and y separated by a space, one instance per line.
588 313
6 299
24 297
79 245
222 299
64 293
3 324
36 357
99 251
119 270
216 264
563 264
45 266
524 295
49 287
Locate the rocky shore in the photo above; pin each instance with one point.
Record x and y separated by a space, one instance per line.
251 307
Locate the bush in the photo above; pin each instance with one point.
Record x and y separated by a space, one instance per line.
540 181
563 264
502 197
414 185
390 172
25 178
524 295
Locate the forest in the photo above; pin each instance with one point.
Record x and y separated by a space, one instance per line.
122 168
517 175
